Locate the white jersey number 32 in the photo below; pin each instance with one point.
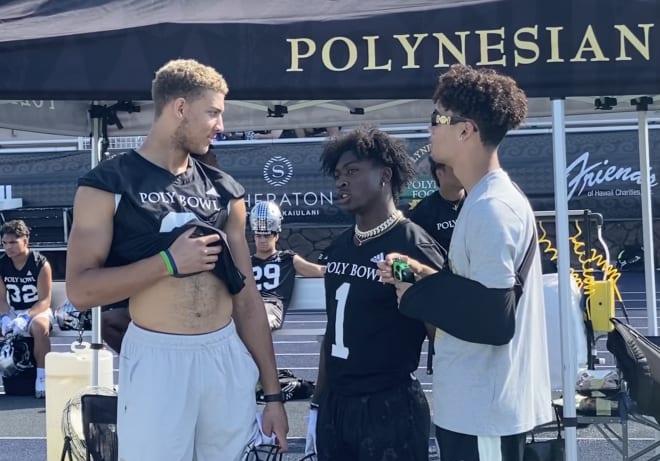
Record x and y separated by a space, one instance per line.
26 294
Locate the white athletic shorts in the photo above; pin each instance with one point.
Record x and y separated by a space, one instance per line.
48 314
185 397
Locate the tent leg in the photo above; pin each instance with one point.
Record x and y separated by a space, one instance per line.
569 362
97 343
647 219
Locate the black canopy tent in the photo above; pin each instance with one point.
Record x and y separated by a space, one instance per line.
344 50
356 61
336 50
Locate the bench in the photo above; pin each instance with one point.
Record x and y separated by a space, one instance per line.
308 297
48 225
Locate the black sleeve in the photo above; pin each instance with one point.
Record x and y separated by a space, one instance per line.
111 175
105 176
432 254
39 261
463 308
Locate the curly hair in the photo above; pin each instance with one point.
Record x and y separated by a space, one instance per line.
368 143
184 78
16 227
493 101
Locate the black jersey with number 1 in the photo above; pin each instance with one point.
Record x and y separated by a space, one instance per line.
275 275
21 285
369 345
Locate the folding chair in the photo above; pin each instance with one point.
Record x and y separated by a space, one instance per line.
638 359
99 413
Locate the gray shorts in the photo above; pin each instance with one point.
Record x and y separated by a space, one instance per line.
184 397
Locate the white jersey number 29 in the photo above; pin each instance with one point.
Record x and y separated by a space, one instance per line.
338 348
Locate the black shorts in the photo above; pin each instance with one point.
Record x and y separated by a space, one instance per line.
393 424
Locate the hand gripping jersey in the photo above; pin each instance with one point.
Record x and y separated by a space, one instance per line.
275 275
21 284
369 345
437 216
152 204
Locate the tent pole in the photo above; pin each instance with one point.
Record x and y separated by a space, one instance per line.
569 362
647 218
96 311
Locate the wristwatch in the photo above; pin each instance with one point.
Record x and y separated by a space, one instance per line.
279 397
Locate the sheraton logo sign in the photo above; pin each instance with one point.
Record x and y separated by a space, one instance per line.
278 171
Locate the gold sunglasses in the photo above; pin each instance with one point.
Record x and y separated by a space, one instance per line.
441 119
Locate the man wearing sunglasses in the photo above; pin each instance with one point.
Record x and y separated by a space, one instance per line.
492 383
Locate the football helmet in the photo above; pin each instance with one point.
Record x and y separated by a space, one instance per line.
266 218
7 365
309 457
263 453
70 318
15 356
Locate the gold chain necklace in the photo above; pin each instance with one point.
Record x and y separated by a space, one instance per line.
362 236
454 204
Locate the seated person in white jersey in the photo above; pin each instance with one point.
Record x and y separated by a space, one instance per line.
275 270
25 290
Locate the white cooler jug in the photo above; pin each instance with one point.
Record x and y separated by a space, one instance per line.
68 373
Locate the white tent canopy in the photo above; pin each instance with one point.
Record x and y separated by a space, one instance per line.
72 118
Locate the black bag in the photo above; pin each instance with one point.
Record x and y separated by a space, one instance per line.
546 450
638 358
23 382
631 258
99 421
99 415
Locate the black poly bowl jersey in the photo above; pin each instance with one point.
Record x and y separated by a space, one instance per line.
437 216
275 275
369 344
21 284
151 202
